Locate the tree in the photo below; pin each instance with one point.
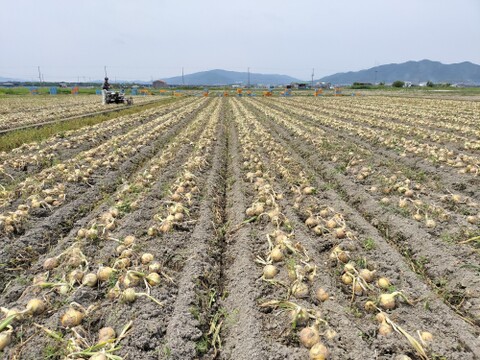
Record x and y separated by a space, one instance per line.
398 84
430 84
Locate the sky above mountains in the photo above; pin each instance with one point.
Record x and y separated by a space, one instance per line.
152 39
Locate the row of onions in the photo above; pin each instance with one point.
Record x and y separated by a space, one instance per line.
442 119
41 154
360 280
19 111
286 265
128 274
390 186
85 168
345 122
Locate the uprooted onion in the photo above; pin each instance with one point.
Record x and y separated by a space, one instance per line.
269 271
300 290
319 352
384 329
383 283
146 258
71 318
5 339
276 254
105 334
309 336
104 273
35 306
90 280
153 279
321 295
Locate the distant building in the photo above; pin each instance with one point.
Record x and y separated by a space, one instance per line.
159 84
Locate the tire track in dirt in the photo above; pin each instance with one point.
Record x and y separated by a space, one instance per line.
445 322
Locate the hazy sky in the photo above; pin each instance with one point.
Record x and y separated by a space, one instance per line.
144 39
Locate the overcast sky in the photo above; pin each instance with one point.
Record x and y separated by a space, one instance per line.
145 39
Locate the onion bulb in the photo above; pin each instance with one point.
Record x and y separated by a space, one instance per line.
347 279
426 336
75 276
300 290
383 283
104 273
71 318
129 295
387 301
147 258
319 352
269 271
50 263
153 279
155 267
309 336
105 334
370 306
5 339
321 295
367 275
35 306
384 329
299 317
99 356
276 254
90 280
129 240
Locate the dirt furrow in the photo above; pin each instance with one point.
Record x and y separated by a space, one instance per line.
194 309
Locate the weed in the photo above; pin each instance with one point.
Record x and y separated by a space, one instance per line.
369 244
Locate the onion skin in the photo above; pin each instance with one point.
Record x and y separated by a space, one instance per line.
367 275
309 336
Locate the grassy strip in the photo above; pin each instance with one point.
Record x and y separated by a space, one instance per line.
13 139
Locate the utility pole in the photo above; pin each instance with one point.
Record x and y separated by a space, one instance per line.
105 69
183 78
248 82
375 83
39 74
313 74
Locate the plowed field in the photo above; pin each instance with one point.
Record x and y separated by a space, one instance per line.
247 228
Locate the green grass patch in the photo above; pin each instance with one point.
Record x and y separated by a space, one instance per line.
13 139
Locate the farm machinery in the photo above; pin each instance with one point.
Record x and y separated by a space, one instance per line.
117 97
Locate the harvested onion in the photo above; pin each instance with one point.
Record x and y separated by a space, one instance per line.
309 336
269 271
319 352
71 318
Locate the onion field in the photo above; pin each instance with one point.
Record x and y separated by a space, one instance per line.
243 228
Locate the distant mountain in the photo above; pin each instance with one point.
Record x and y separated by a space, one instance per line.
4 79
224 77
414 71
